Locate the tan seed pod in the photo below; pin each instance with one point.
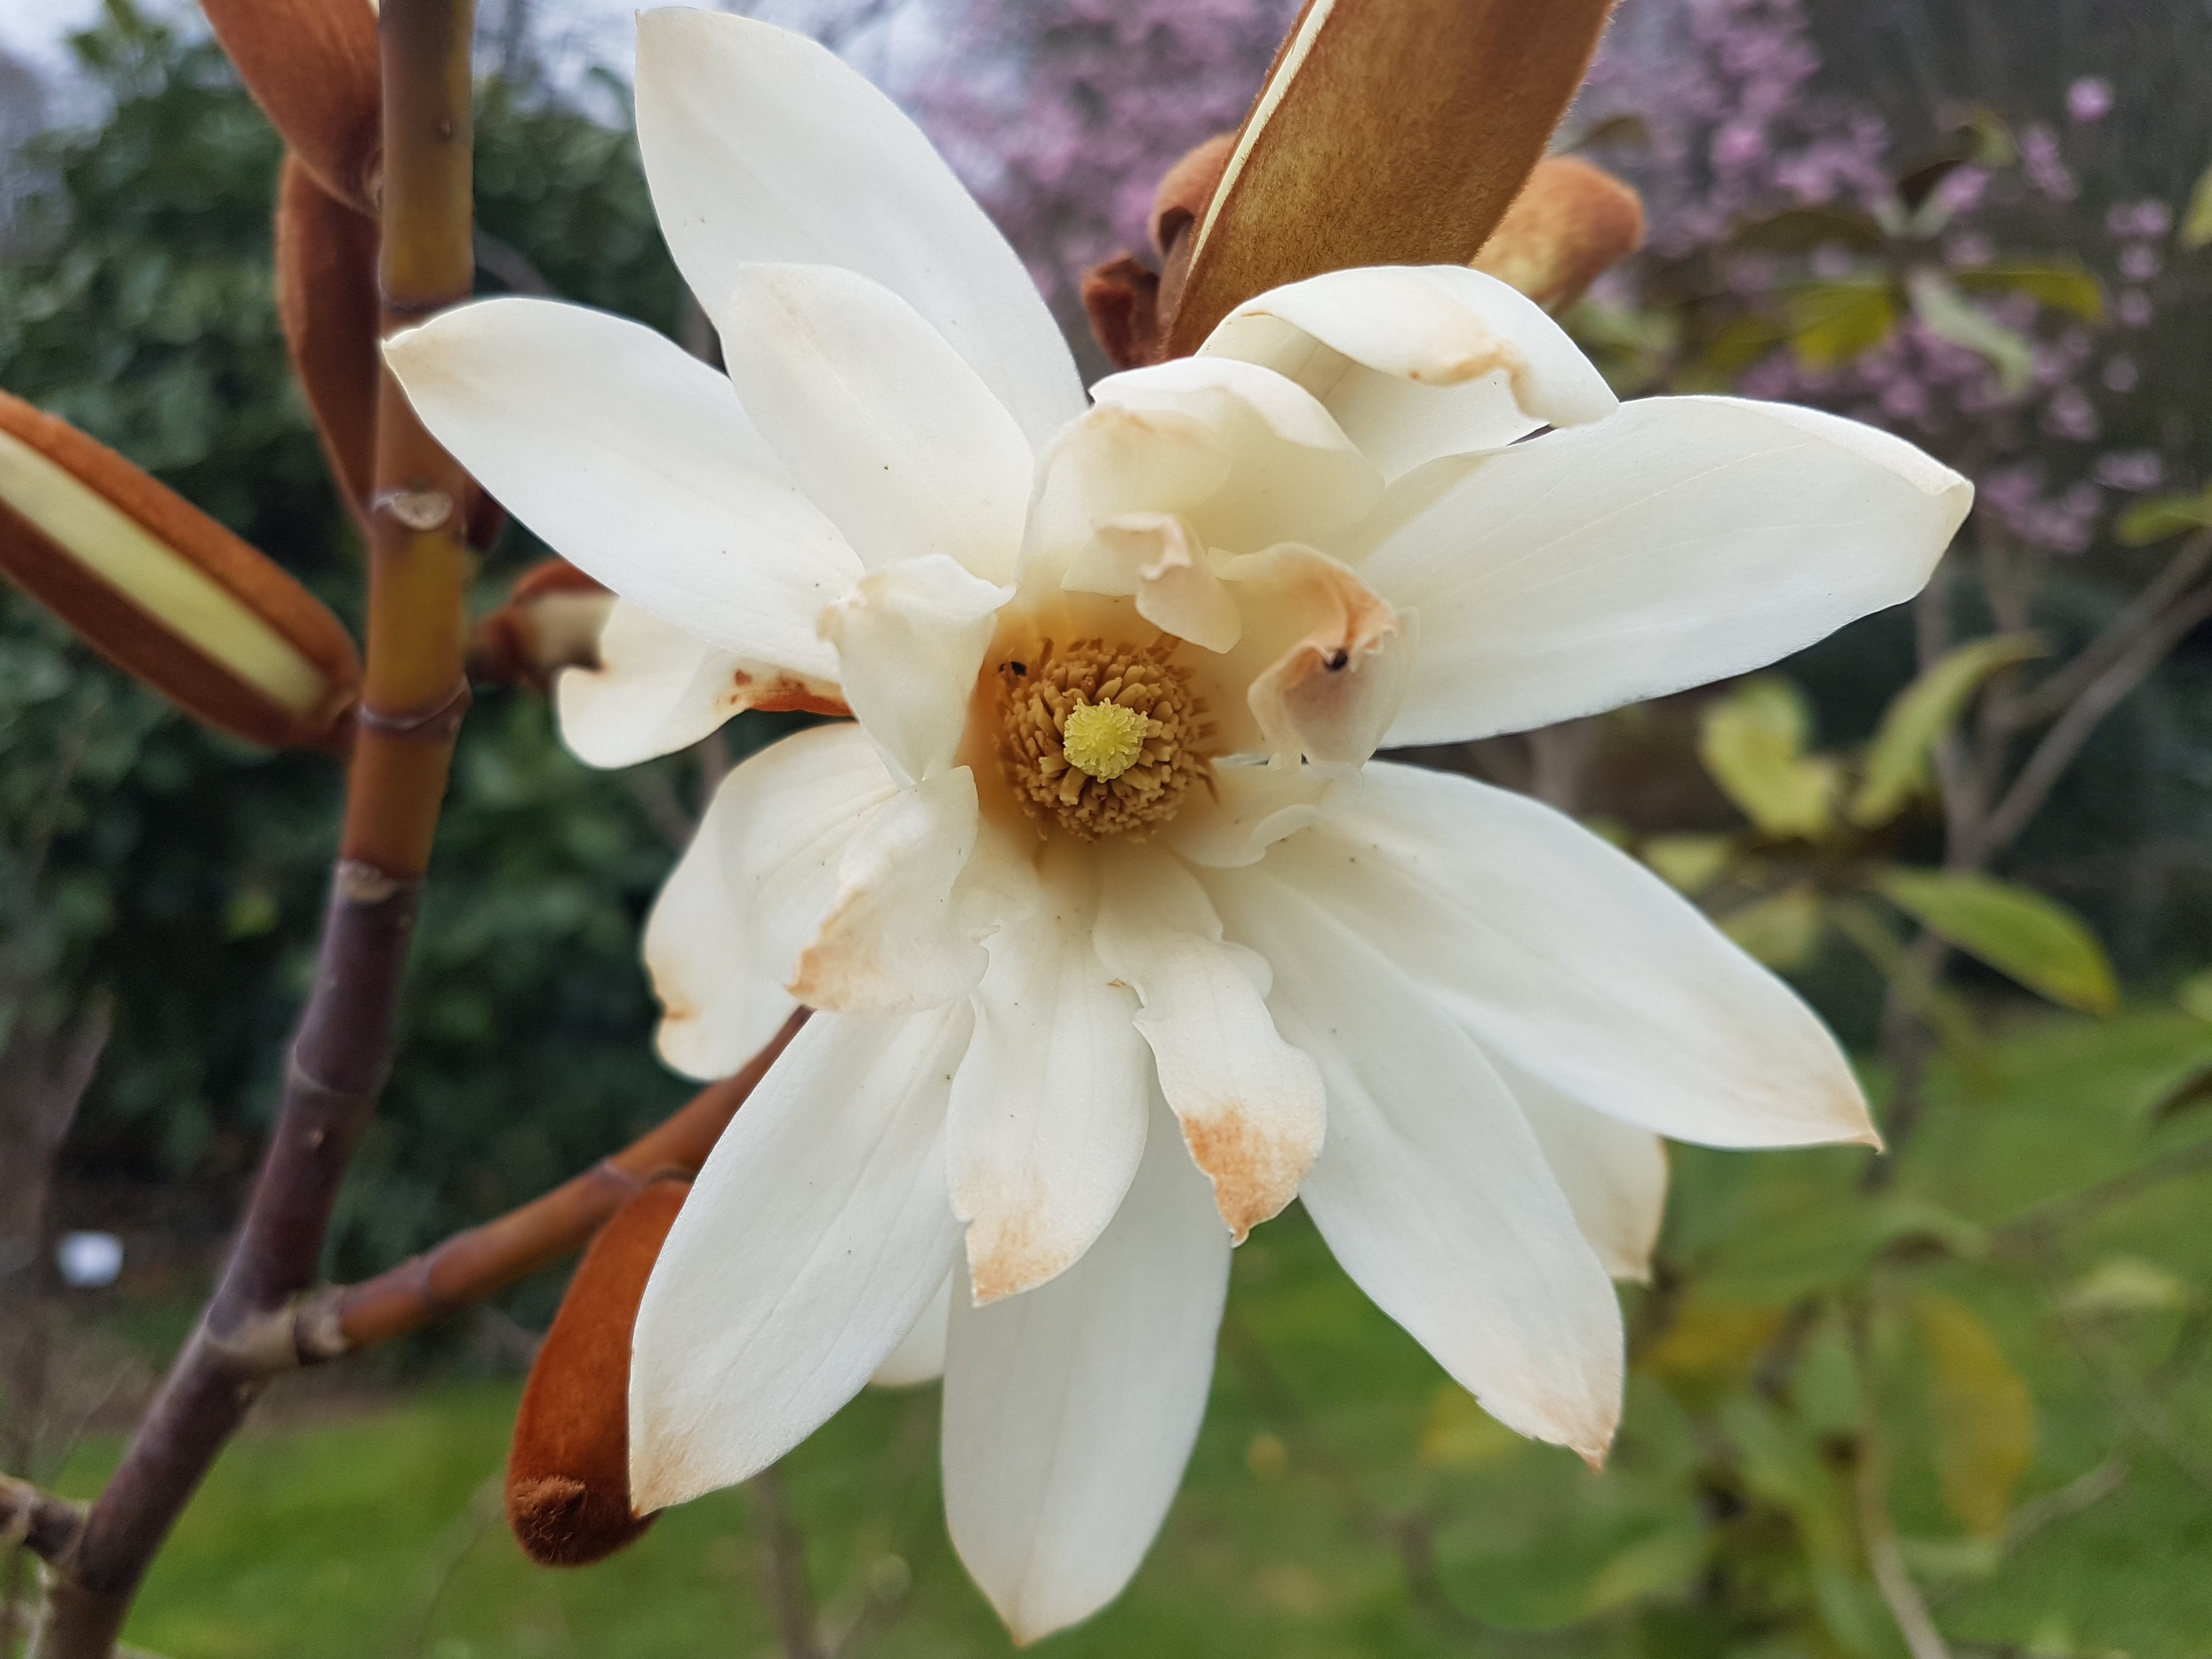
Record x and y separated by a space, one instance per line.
166 593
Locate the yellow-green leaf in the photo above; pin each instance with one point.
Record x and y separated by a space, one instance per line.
1665 1561
2018 932
2193 994
1985 1420
1752 742
1832 323
2060 284
1690 864
2156 517
1781 930
1917 717
2196 223
1946 314
1458 1434
2129 1283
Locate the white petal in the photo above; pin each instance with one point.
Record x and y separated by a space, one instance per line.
1432 1191
657 690
1157 558
910 638
876 416
1249 1104
1615 1175
726 932
1048 1115
812 1239
893 942
1248 809
1573 962
1071 1410
1679 541
635 463
1416 362
760 145
1112 462
1293 475
919 1356
1325 662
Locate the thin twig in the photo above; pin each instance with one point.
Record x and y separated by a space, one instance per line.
2056 694
786 1547
1877 1531
2056 752
2027 1231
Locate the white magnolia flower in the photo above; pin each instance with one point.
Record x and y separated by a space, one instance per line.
1120 938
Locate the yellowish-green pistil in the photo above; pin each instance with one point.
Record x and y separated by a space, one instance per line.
1102 739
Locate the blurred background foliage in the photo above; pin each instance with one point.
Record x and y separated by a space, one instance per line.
1977 1368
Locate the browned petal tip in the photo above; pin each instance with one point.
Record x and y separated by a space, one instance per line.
568 1472
164 591
1570 223
1388 132
312 66
552 620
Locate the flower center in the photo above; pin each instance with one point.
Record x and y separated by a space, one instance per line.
1100 740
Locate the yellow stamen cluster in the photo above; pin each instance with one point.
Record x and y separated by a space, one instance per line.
1101 740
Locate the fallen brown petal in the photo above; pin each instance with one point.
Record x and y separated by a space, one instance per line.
312 66
165 592
1388 132
568 1472
1569 223
326 300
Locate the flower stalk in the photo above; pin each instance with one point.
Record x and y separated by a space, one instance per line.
413 694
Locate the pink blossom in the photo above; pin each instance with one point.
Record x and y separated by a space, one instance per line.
2089 99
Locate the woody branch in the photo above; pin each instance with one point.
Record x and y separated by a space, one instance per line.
413 696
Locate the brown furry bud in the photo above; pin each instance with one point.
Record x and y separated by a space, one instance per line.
567 1474
1569 224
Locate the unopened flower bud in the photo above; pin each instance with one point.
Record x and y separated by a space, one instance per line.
1569 224
552 620
567 1474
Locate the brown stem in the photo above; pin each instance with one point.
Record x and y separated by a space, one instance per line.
412 698
471 1266
38 1522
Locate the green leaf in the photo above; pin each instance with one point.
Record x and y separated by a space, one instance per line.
1920 714
2060 284
2016 930
1946 314
1800 230
2129 1284
1832 323
1752 742
1782 931
1690 864
2193 994
2196 223
1457 1433
2157 517
1663 1562
1985 1420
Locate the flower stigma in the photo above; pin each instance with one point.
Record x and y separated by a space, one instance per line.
1101 740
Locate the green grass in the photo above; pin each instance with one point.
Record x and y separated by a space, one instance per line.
380 1535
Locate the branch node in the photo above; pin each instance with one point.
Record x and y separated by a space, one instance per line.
422 510
435 725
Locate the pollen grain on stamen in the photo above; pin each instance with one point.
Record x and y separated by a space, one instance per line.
1101 740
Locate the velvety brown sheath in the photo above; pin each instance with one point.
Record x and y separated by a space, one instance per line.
567 1474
